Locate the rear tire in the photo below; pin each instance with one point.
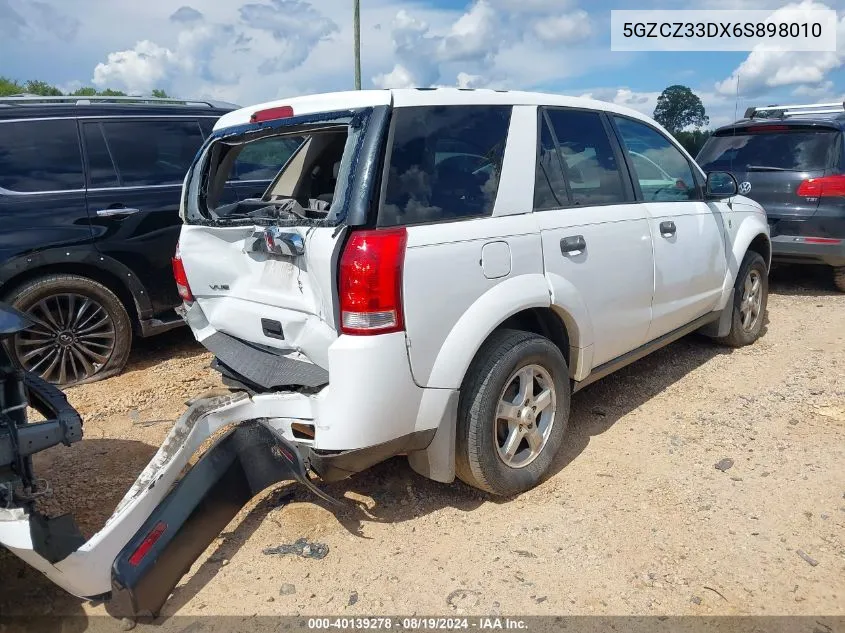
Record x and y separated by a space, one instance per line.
513 413
751 296
82 333
839 278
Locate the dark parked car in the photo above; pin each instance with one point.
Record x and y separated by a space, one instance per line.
791 159
89 200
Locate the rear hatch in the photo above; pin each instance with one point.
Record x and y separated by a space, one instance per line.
771 161
263 270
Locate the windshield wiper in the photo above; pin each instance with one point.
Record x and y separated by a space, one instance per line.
766 168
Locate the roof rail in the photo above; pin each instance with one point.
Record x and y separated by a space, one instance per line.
781 112
28 99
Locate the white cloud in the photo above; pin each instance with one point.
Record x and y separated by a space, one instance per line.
764 70
824 89
186 15
572 27
36 19
501 43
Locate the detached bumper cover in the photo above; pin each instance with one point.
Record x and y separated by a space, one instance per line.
242 463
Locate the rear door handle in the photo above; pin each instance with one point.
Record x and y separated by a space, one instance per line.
668 228
572 244
107 213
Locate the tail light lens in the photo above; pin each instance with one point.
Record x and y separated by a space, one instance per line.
147 544
825 187
371 282
182 286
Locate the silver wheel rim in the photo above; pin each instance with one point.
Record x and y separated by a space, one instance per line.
524 416
72 339
751 305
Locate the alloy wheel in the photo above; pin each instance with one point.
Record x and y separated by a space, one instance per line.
71 340
525 415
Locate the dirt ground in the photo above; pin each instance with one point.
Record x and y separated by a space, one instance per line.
634 519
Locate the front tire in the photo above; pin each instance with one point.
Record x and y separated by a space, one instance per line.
513 413
751 296
82 331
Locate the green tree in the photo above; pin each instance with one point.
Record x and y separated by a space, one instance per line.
693 141
87 91
161 94
678 107
9 87
108 92
41 88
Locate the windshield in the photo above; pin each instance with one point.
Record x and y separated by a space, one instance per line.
793 151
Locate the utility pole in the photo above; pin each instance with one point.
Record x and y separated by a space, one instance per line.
357 27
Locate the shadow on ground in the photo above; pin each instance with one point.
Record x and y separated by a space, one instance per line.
802 281
147 352
87 480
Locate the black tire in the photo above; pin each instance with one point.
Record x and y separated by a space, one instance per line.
477 451
753 266
90 332
839 278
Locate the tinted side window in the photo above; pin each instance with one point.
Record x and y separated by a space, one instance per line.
445 163
588 159
663 172
101 171
152 152
262 159
40 156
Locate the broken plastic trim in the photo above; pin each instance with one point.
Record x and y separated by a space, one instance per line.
242 463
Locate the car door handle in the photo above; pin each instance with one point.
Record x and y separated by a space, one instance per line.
572 244
107 213
668 228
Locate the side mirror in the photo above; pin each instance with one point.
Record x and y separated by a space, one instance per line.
720 184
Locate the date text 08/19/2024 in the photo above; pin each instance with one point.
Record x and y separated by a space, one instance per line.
416 623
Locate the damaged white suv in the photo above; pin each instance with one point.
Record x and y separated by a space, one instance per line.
435 272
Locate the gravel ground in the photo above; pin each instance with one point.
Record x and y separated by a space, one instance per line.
699 480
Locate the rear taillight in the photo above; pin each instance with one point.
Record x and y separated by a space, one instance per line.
371 282
825 187
147 544
182 286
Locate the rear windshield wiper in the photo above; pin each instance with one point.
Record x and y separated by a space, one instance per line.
766 168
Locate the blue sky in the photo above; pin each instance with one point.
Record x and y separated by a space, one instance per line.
248 51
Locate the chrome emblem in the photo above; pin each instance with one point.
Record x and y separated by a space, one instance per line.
745 188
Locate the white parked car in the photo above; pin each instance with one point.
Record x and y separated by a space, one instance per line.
435 272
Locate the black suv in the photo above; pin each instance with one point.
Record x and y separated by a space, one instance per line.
791 159
89 203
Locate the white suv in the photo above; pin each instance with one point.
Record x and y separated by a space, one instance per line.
435 272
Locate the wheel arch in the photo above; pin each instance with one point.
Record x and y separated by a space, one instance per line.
107 278
751 235
523 302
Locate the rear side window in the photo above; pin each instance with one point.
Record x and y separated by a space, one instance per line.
586 157
445 163
154 152
799 150
101 171
264 158
662 171
40 156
